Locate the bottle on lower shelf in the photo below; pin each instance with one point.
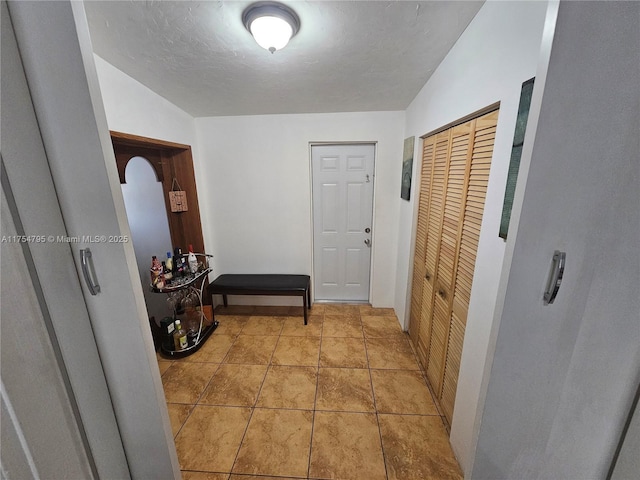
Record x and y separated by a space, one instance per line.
167 326
180 337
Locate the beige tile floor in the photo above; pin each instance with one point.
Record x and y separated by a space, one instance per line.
341 398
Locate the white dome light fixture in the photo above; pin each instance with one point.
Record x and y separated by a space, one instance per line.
272 24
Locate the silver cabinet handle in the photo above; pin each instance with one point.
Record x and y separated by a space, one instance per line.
88 271
367 242
555 278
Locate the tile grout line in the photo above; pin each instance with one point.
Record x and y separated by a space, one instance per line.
315 399
197 402
216 371
315 402
253 408
185 420
193 407
375 407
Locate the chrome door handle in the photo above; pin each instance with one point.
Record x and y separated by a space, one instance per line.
88 271
367 242
555 278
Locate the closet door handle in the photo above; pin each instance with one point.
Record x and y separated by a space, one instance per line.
555 278
88 271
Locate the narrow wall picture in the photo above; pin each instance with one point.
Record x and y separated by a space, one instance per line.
516 152
407 167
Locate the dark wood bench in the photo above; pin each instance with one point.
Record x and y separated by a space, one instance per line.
284 285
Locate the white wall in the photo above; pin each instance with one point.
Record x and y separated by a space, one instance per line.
257 176
494 56
147 215
256 215
132 108
564 376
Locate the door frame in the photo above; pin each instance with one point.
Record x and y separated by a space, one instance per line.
373 212
174 161
170 161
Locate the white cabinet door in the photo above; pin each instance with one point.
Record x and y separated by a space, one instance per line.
57 410
564 375
342 221
55 48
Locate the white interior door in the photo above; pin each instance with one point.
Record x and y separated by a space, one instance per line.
80 173
342 221
57 414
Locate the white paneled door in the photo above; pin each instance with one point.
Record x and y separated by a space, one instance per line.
342 221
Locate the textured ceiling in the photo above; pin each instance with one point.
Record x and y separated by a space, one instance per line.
348 55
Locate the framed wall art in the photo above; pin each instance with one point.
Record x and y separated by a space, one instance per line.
407 168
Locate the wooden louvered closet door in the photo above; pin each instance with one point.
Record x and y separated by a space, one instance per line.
454 177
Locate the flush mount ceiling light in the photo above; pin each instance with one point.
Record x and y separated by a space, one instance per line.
272 24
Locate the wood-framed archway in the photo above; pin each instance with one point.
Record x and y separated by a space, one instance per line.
170 161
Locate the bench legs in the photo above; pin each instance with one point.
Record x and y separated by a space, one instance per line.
305 305
306 302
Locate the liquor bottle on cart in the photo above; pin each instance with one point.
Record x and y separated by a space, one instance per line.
157 274
168 275
169 262
193 261
178 262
